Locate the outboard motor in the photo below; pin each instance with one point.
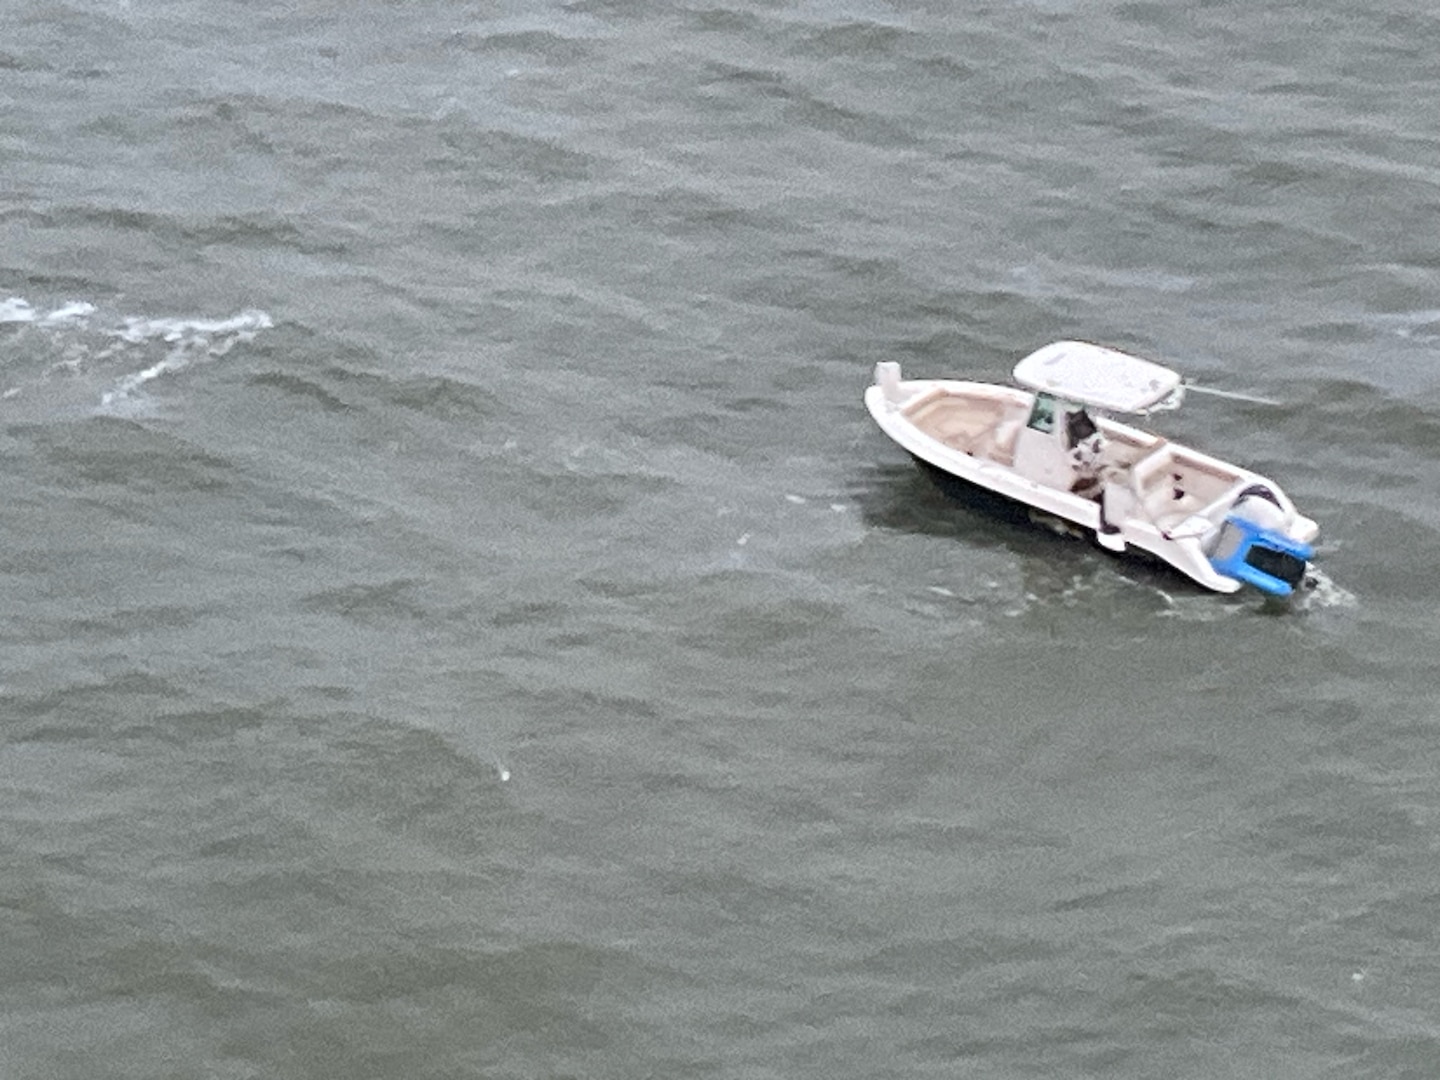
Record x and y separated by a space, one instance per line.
1252 545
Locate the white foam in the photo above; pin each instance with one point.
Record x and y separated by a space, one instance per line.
16 310
1324 593
72 313
198 331
189 341
75 341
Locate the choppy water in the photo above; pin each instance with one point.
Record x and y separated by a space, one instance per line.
460 620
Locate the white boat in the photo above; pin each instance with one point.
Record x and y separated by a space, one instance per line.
1055 446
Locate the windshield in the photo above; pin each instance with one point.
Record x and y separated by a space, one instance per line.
1042 414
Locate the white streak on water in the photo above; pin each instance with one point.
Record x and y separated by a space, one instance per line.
190 339
74 330
18 310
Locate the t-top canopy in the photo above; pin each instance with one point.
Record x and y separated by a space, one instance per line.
1094 375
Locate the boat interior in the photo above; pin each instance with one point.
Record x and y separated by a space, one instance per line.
983 422
1173 483
1170 482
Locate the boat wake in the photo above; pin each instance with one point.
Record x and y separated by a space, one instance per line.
77 347
1322 592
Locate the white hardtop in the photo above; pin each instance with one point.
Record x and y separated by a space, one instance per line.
1094 375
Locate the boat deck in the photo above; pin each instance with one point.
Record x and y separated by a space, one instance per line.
981 422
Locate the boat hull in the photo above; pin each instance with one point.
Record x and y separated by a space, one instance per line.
1166 500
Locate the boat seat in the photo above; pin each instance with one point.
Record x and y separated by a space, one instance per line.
1168 501
1151 479
1001 444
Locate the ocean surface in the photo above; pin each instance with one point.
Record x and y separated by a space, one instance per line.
460 620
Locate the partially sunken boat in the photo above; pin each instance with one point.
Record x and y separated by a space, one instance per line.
1056 446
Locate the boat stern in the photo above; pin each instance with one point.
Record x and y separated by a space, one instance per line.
1273 561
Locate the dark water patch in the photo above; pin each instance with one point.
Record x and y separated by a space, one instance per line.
729 900
565 497
1197 1002
127 622
1374 420
300 387
776 629
1329 823
684 785
523 982
10 61
619 589
952 839
530 613
724 21
686 213
1402 918
109 453
441 397
1147 13
1333 332
544 45
404 784
1278 174
219 722
1332 715
835 289
315 138
230 126
375 605
756 404
969 955
89 709
853 40
707 431
600 708
360 386
258 229
264 229
156 968
553 1001
759 82
498 156
801 108
1123 896
1373 1049
813 112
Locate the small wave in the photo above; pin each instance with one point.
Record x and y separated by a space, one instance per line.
1421 326
16 310
75 340
189 340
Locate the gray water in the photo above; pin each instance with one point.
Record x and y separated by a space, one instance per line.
461 622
